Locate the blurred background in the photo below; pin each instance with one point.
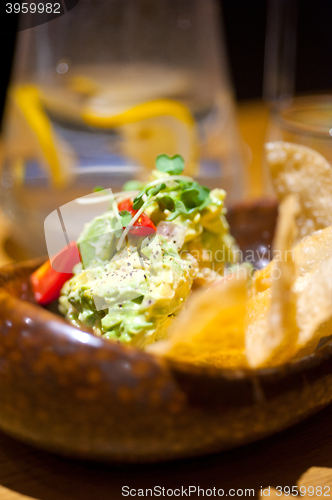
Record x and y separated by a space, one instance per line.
250 55
245 33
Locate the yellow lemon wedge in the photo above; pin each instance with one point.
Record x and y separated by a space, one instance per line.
39 137
148 128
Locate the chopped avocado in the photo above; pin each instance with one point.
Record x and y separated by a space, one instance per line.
99 237
139 293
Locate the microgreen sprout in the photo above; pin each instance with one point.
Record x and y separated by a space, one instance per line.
125 217
177 194
172 165
133 186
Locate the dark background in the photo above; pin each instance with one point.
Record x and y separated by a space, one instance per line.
245 25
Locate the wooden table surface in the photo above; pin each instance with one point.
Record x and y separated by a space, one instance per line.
277 461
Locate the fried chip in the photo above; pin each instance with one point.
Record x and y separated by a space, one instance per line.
316 476
302 171
313 250
271 328
261 280
256 327
312 287
314 305
211 328
309 253
313 256
312 485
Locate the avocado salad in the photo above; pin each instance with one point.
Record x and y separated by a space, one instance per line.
142 257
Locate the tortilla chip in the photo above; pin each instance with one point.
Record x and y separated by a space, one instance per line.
314 305
313 484
299 170
271 328
211 328
316 476
309 253
313 250
261 280
313 288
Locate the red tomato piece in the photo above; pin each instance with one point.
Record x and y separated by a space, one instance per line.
126 205
143 226
47 282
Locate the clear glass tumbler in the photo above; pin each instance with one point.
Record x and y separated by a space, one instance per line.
303 120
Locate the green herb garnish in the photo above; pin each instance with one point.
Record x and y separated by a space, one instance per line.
181 197
138 201
153 191
166 202
173 165
125 217
133 186
96 189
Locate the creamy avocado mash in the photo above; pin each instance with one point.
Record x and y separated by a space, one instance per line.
139 263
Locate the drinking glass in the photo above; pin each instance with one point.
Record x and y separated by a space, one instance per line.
99 92
305 120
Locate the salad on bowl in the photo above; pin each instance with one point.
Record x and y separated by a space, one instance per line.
135 266
169 343
140 259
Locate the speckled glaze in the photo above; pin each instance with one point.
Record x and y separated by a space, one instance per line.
69 392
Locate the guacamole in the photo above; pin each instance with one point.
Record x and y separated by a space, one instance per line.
141 258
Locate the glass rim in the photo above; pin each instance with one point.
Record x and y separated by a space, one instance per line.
282 113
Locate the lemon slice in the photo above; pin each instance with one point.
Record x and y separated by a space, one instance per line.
55 154
149 128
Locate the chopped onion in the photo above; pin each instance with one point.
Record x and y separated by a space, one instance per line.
172 232
131 223
106 197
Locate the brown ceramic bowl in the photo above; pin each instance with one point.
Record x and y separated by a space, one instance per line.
67 391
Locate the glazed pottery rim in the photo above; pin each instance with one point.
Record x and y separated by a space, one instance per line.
238 374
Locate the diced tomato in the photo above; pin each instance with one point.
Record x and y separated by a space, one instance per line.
126 205
143 226
47 282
